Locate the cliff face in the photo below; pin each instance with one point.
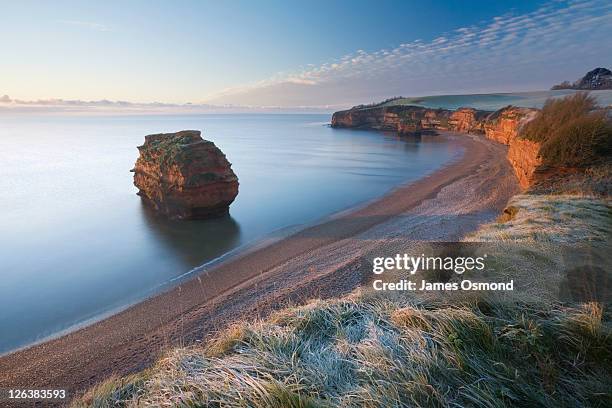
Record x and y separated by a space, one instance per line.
524 157
501 126
412 119
468 120
183 176
402 119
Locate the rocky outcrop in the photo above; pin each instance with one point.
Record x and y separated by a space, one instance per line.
408 119
599 78
397 118
468 120
183 176
502 126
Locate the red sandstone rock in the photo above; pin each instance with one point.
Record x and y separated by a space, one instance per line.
504 125
398 118
524 156
467 120
183 176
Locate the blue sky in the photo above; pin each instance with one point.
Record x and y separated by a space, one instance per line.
285 53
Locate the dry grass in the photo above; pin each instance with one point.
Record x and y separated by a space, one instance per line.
594 181
580 143
374 353
573 132
556 113
555 247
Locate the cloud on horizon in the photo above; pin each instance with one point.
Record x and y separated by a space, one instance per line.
104 106
559 41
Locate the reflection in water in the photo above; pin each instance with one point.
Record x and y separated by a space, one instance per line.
411 143
194 241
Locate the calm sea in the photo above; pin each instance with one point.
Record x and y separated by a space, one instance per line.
76 242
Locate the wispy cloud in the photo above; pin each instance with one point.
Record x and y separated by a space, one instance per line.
510 52
90 25
105 106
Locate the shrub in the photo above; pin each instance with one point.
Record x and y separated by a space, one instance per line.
557 113
582 142
573 132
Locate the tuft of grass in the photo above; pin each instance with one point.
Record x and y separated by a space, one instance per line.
231 337
508 214
114 392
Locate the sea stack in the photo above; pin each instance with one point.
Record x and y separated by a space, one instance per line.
183 176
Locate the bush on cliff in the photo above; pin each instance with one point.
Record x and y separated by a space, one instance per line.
582 142
572 131
556 113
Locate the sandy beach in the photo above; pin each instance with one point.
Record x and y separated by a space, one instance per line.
323 261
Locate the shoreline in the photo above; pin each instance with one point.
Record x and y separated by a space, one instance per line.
242 250
259 281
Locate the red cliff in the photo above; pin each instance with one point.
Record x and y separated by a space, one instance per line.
397 118
468 120
524 156
183 176
501 126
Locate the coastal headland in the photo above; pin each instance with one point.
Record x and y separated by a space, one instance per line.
501 126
